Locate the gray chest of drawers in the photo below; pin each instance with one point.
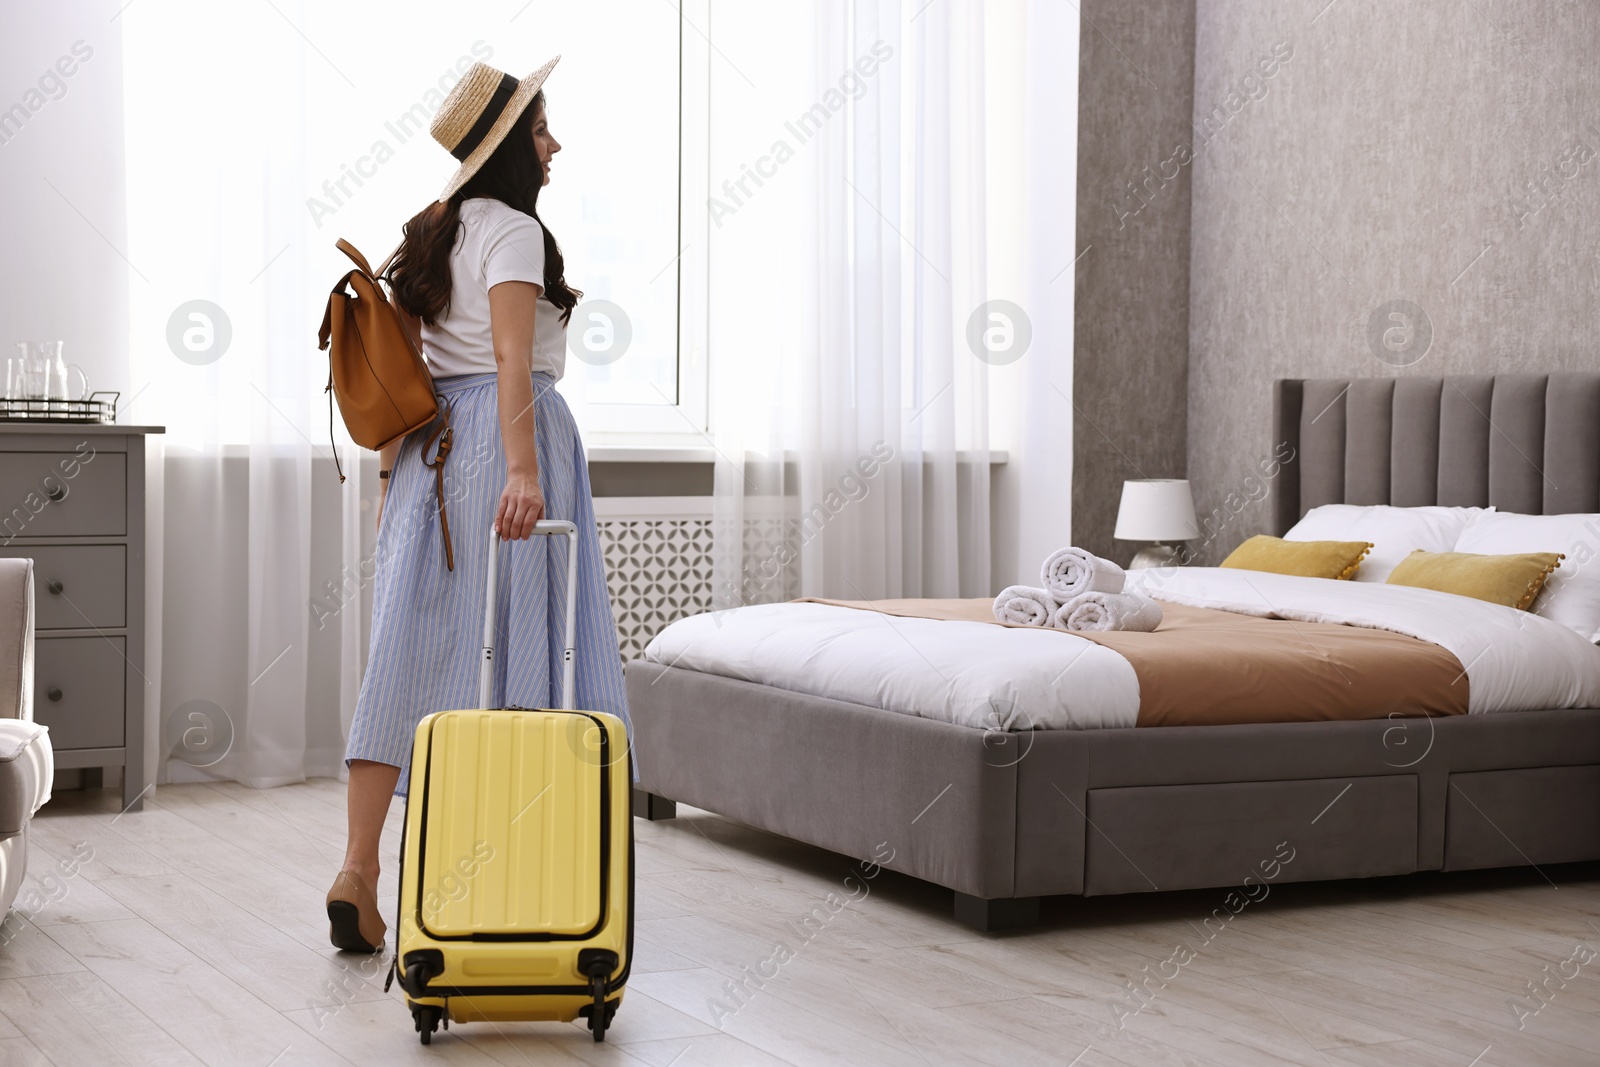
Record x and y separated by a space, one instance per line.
72 499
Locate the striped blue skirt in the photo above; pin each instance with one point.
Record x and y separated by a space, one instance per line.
427 622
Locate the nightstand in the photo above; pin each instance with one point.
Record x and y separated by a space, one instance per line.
72 499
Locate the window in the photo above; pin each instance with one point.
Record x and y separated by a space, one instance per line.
237 196
616 201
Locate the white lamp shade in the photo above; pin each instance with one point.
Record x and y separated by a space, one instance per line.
1156 509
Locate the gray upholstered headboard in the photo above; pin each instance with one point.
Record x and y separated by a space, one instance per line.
1527 443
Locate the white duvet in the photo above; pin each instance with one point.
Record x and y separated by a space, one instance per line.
995 677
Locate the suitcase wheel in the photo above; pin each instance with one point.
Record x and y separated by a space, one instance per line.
597 963
600 1012
427 1020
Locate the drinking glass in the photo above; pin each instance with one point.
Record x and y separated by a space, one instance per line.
34 376
16 369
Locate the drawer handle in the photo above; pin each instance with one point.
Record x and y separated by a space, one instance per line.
57 492
54 693
55 586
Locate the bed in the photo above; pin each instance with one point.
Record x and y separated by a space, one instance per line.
1003 813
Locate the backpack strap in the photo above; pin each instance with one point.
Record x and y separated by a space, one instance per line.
355 256
333 444
440 441
324 338
384 269
361 261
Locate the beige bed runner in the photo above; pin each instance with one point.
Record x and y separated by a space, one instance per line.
1203 667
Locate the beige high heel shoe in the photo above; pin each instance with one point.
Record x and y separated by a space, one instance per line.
354 923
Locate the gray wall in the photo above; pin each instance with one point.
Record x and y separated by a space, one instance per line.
63 224
1131 336
1396 145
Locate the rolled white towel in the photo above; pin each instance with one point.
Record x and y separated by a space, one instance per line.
1070 572
1023 605
1100 612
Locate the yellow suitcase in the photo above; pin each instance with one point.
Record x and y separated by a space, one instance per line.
516 873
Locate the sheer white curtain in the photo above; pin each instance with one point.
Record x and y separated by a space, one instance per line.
848 253
256 135
221 355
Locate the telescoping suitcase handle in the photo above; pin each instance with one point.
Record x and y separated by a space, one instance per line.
543 528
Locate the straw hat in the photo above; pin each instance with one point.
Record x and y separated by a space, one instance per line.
477 115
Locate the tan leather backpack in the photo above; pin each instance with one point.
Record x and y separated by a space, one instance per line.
378 376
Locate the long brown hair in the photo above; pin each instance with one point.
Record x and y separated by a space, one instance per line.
513 175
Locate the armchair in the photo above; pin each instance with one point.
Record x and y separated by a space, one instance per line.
27 766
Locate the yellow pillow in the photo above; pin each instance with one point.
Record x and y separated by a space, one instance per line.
1514 581
1308 559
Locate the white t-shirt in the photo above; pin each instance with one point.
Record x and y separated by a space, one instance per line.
497 244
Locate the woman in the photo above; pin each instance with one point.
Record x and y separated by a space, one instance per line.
481 283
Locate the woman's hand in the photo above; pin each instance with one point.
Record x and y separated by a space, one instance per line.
521 505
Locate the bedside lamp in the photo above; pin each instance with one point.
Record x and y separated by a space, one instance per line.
1160 510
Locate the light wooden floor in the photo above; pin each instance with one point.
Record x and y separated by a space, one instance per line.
193 933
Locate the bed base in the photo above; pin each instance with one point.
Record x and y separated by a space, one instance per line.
976 912
1005 819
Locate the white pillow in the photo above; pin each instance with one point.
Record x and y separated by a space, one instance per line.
1572 595
1394 532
